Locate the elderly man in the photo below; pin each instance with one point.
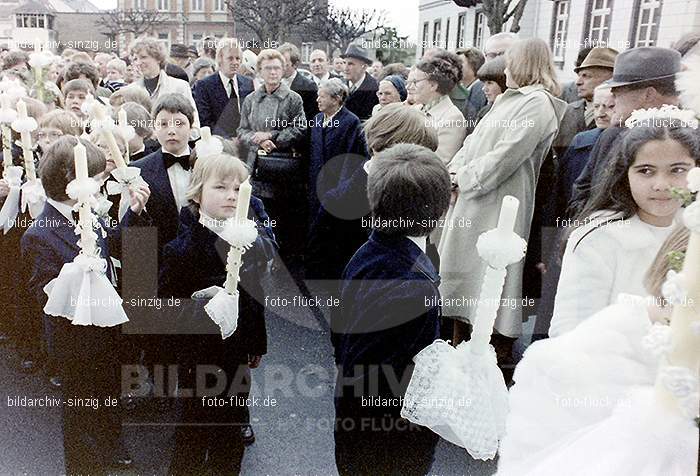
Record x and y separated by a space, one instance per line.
363 87
580 115
219 96
497 44
318 61
297 82
642 78
339 66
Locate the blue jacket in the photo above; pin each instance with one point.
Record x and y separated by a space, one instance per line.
211 98
195 260
575 159
388 312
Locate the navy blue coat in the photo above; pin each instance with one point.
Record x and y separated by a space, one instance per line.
161 207
388 313
211 98
195 260
575 159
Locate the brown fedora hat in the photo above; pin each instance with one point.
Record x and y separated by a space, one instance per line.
644 64
599 58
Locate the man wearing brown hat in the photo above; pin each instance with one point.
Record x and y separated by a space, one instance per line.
643 78
579 116
180 56
363 87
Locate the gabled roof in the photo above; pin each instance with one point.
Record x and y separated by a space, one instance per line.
56 6
35 6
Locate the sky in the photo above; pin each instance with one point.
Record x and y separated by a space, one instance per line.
402 14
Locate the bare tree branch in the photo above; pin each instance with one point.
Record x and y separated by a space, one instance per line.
275 19
137 22
341 26
498 13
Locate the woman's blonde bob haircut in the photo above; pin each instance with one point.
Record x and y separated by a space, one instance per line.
267 55
530 62
398 123
655 277
220 166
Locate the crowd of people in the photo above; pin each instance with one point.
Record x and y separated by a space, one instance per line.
425 154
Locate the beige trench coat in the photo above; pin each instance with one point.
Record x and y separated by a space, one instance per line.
501 157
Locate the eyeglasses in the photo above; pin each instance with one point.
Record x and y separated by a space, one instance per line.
48 135
413 82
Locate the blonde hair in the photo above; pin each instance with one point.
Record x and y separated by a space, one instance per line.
397 123
220 165
118 64
225 43
152 47
676 242
131 93
530 62
65 121
267 55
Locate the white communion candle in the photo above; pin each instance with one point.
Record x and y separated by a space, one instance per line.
6 158
121 115
81 167
509 213
244 192
37 45
21 109
205 132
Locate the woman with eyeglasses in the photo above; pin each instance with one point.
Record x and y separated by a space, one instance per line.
273 121
430 83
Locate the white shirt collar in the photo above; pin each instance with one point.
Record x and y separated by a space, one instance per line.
359 83
420 241
225 79
327 120
288 81
63 208
367 166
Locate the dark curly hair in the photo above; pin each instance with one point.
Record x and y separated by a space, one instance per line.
445 68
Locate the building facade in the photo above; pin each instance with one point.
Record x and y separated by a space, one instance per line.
567 25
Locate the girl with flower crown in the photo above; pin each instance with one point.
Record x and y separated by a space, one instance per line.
626 220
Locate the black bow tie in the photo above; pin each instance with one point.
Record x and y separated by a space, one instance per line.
170 160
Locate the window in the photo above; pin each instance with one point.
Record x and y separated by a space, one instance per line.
31 20
197 5
426 27
646 23
163 36
461 20
437 27
447 34
140 4
163 5
559 30
479 29
306 52
598 23
197 37
219 5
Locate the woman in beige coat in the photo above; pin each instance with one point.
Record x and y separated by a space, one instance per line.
501 157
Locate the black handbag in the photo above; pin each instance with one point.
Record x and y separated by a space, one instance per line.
276 167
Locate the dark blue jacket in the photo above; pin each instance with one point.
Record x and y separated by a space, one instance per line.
211 98
575 159
161 207
362 101
195 260
388 312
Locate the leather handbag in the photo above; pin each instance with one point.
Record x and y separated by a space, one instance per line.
275 167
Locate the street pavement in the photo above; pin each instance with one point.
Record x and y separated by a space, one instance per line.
294 431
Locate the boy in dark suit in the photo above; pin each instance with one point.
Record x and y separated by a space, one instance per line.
195 260
219 96
388 312
86 355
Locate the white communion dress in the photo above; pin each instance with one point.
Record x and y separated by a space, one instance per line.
583 403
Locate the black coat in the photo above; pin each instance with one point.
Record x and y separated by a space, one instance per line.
308 91
211 99
195 260
364 98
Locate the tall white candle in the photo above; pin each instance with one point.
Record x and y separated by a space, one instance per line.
205 133
244 192
21 109
80 157
6 158
509 213
121 115
37 45
100 114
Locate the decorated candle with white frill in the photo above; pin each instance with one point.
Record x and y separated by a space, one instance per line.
25 125
88 237
105 126
7 116
235 254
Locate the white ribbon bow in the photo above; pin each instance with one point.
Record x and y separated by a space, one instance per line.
33 197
